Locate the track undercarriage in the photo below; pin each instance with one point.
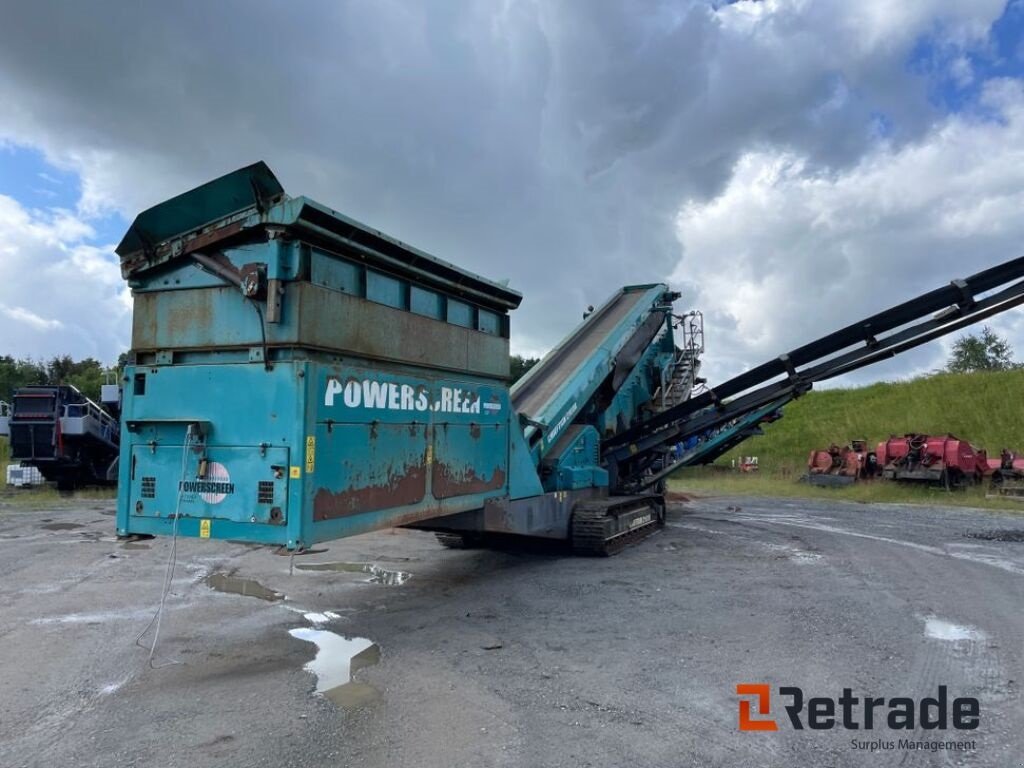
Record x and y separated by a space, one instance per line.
597 528
606 526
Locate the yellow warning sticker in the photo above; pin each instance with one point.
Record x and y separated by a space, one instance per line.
310 454
295 472
430 455
204 529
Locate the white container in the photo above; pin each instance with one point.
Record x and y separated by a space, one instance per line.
23 477
110 393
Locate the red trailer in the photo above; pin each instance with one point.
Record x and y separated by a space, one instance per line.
945 460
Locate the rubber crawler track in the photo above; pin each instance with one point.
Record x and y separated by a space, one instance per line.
594 525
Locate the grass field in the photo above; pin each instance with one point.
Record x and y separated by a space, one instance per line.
47 497
980 407
712 481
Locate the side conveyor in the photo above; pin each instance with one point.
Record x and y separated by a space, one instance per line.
544 383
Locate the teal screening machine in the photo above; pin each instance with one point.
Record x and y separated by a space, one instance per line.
296 376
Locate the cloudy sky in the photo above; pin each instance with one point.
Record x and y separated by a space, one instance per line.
790 165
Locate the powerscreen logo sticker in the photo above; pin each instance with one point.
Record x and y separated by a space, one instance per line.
400 396
213 488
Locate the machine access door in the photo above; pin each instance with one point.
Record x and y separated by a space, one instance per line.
245 484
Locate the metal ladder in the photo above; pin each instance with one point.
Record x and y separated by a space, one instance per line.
679 384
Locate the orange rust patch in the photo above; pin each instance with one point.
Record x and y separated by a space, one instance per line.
400 490
448 482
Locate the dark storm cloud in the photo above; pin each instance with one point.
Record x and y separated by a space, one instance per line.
551 144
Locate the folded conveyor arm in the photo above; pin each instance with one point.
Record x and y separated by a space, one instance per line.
602 350
629 454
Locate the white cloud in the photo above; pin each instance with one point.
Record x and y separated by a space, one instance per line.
547 143
59 295
962 71
788 252
22 315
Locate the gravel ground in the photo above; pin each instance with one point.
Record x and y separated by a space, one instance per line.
509 658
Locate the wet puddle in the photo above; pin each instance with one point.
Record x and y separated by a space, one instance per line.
236 585
939 629
337 658
61 526
377 574
316 619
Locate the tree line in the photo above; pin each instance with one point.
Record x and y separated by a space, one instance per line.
985 351
87 375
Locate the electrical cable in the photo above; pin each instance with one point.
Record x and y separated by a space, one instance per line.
263 335
172 558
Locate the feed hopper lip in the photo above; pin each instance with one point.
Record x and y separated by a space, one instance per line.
251 203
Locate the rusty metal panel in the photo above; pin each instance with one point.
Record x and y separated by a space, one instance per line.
398 443
333 320
373 466
201 318
469 459
174 312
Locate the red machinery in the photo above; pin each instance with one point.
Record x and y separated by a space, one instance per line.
1007 474
841 466
942 459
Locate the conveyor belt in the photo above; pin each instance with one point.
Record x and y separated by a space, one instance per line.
631 453
554 370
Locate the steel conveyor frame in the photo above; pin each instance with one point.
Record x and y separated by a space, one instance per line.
629 454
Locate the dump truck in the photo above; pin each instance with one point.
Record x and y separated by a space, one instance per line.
297 376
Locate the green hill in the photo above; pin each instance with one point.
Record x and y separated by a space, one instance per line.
983 408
